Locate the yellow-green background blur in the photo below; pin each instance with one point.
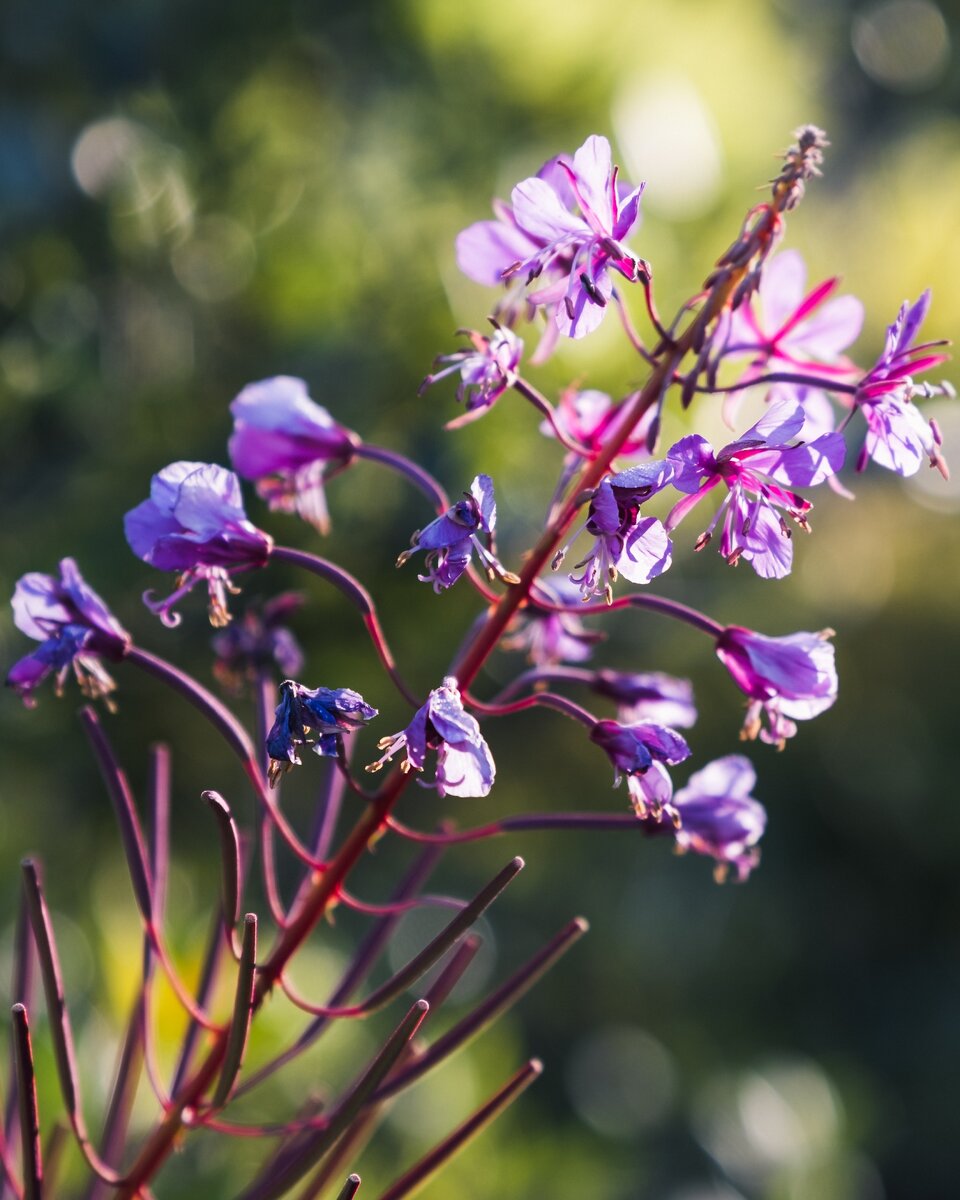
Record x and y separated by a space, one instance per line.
195 195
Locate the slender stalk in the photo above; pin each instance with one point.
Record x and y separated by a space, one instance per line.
421 479
423 1171
360 598
242 1013
230 730
29 1116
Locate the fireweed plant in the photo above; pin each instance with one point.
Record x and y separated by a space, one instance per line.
561 253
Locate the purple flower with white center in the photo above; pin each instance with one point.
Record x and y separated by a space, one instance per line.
486 371
289 446
719 818
787 679
649 696
465 766
782 328
314 717
898 437
258 643
626 543
194 523
552 637
450 540
573 251
759 471
75 630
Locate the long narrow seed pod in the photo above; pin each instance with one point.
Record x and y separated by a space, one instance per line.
158 805
362 1129
27 1099
242 1012
21 992
343 1115
350 1188
122 1095
229 864
430 954
130 832
134 848
209 972
362 964
61 1033
423 1171
486 1013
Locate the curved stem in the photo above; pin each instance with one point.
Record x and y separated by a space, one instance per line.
359 597
231 731
538 699
633 337
422 480
829 385
525 821
660 604
543 405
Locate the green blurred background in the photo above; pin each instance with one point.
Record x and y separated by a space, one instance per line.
195 195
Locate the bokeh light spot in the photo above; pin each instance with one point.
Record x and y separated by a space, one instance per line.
903 45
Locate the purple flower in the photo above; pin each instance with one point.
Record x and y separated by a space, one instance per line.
759 471
788 679
634 748
450 540
649 696
289 445
75 630
486 371
588 417
898 437
783 328
551 637
257 643
626 544
465 766
194 524
567 228
315 717
719 818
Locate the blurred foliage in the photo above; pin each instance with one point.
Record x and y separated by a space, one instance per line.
193 196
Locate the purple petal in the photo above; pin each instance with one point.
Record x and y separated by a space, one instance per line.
488 248
691 458
811 464
781 289
780 424
37 606
482 491
827 334
732 776
647 551
765 546
465 770
592 165
539 212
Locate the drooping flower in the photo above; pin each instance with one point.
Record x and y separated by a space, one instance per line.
465 766
289 446
551 637
632 748
314 717
75 630
759 471
898 437
787 679
649 696
194 523
626 543
640 751
259 641
566 229
719 817
486 371
450 540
